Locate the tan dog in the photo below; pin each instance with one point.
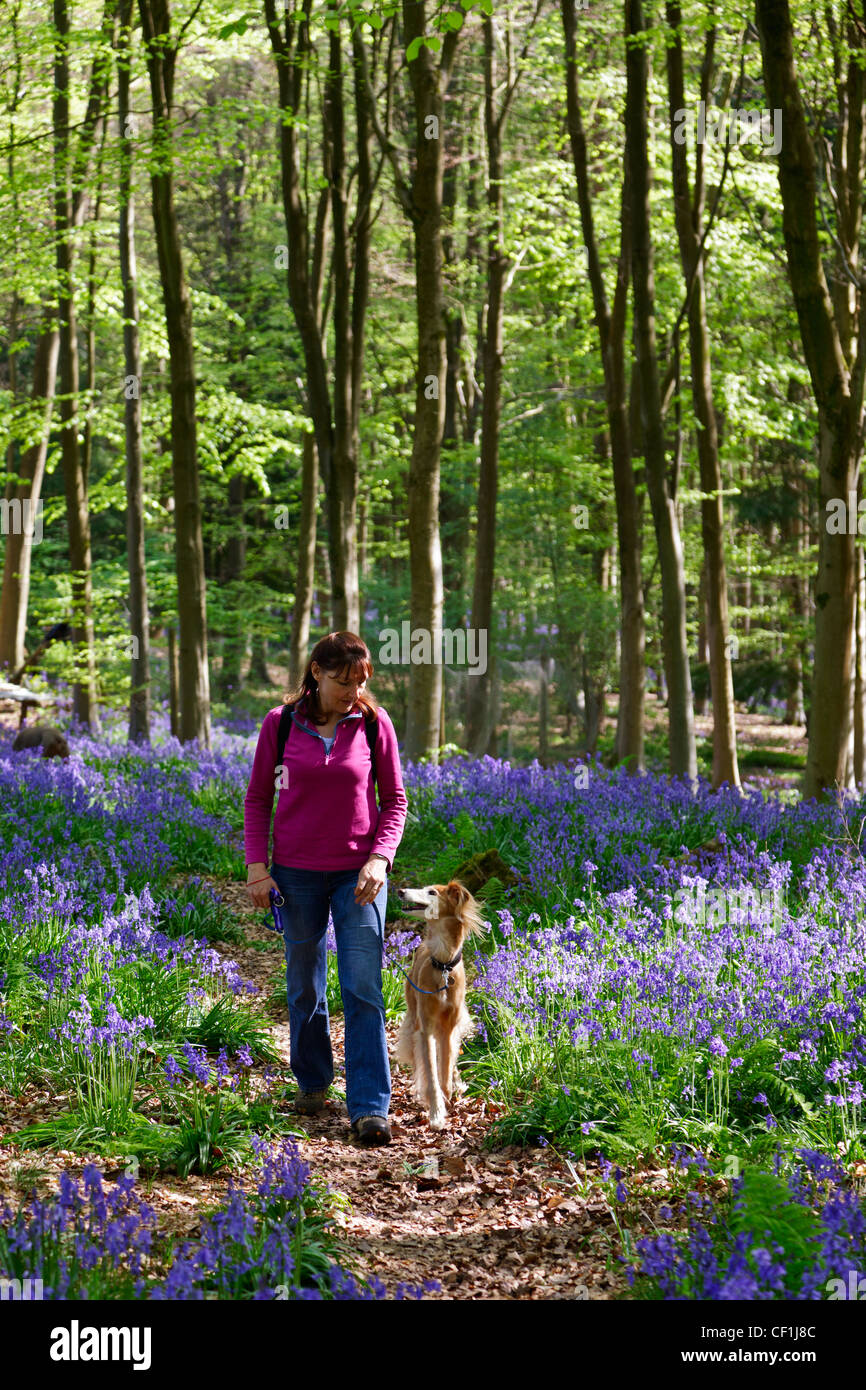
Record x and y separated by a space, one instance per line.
437 1020
53 743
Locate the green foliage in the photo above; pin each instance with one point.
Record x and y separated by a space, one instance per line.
230 1024
151 1144
198 913
213 1132
764 1208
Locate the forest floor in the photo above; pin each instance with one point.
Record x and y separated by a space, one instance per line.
487 1223
509 1222
506 1223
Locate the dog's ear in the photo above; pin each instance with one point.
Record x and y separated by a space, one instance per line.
464 908
457 897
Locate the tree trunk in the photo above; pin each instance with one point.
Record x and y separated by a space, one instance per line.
15 591
360 284
859 769
336 432
479 688
611 331
421 201
258 673
75 481
543 711
703 649
306 563
442 719
173 685
688 216
343 492
594 684
473 256
454 513
793 533
681 725
425 554
837 386
192 603
234 560
139 622
495 710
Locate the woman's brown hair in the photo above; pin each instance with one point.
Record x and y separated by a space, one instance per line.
338 654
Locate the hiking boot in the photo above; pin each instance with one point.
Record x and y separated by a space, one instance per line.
310 1102
372 1129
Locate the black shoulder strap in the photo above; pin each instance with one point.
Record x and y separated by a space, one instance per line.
283 730
371 729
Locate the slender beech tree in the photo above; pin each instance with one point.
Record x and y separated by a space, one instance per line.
17 559
688 210
500 271
612 339
139 626
351 256
232 228
29 466
453 499
834 345
858 731
70 176
420 197
336 422
162 47
306 562
660 483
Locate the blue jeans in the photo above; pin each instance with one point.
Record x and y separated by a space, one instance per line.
308 895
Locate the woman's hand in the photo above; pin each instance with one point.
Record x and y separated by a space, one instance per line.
370 880
259 884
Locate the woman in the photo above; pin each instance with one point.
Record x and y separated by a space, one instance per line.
333 848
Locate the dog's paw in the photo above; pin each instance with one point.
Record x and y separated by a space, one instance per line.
438 1120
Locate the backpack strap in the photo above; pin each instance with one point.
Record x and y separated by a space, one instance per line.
284 728
371 729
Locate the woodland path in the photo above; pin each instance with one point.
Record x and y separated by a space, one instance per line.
506 1223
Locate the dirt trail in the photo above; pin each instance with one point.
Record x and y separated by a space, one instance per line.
508 1223
511 1223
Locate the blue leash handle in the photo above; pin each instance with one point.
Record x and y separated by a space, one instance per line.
277 901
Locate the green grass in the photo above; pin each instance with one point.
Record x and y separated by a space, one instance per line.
771 757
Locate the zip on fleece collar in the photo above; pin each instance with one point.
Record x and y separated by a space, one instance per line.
311 729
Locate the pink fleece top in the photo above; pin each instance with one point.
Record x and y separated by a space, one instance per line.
326 817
